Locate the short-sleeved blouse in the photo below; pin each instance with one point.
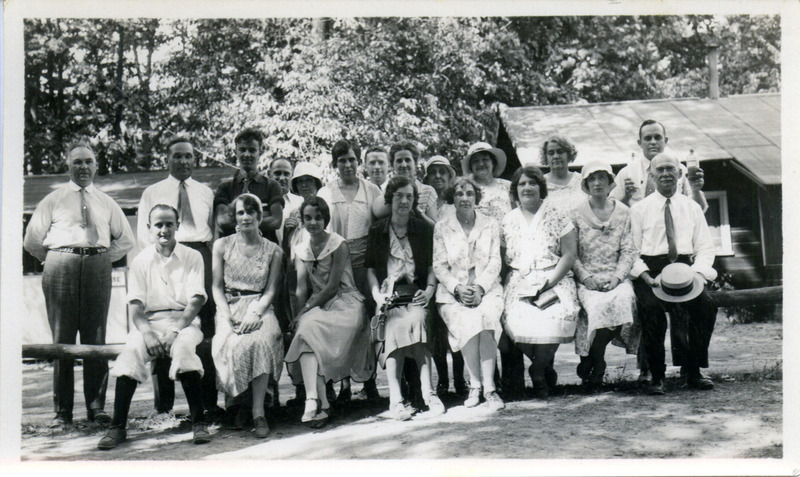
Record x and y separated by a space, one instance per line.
567 196
495 200
535 245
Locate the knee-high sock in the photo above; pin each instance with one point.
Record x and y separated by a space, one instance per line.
193 389
123 395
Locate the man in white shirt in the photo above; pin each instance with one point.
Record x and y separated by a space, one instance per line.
691 322
165 294
78 232
376 162
195 204
632 184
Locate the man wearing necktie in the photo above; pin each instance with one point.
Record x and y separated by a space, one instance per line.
77 231
669 227
195 203
248 179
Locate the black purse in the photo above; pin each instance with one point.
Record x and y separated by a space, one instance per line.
403 294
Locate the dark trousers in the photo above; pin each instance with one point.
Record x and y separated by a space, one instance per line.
77 292
163 387
691 323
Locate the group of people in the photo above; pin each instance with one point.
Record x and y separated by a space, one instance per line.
468 264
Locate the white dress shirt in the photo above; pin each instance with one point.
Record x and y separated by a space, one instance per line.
58 222
201 201
292 202
692 235
166 283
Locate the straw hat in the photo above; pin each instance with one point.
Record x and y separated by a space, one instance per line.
440 161
305 169
678 284
499 156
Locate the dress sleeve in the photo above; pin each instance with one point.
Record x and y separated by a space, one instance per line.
492 270
441 267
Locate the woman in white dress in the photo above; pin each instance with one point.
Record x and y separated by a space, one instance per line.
466 261
540 248
605 256
484 164
563 186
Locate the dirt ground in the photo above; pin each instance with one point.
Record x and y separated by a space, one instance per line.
740 418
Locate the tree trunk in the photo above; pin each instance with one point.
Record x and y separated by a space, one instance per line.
118 114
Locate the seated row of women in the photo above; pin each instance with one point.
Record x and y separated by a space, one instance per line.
540 248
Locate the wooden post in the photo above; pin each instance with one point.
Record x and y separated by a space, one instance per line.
713 74
753 296
55 351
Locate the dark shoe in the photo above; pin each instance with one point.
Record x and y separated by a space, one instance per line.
344 396
540 389
656 389
598 373
461 387
200 433
215 415
330 393
99 416
369 392
697 381
262 428
61 419
584 368
114 436
442 388
645 378
550 377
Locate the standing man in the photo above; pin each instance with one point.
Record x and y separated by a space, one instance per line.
165 294
404 157
670 229
633 182
376 161
280 171
195 203
78 231
248 179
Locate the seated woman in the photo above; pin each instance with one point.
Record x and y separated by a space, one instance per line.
466 260
248 346
605 256
332 337
563 186
540 250
399 252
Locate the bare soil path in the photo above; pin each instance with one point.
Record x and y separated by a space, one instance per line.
740 418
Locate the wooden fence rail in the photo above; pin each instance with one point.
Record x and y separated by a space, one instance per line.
723 298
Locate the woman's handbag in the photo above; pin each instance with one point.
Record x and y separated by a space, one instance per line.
403 294
377 329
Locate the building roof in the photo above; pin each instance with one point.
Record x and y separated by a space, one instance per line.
745 129
124 187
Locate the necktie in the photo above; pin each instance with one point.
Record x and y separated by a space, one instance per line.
86 216
246 187
672 253
184 207
650 186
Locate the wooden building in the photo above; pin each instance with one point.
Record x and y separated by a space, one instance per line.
737 140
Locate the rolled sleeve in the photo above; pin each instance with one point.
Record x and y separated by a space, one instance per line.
121 233
37 230
195 283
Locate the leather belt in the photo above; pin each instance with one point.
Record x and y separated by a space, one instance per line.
237 292
86 251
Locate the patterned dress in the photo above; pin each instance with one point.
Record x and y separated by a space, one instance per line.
337 332
532 251
605 250
239 358
567 196
459 259
495 200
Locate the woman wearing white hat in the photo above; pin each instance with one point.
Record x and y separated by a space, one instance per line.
563 186
484 164
605 256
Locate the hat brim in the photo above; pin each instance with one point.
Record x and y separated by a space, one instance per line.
499 155
698 284
449 169
293 187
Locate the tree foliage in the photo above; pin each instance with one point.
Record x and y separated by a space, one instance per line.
129 83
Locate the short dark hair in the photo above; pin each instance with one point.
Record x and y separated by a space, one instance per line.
249 134
572 153
250 203
398 182
460 181
164 207
375 148
79 142
178 138
403 145
648 122
320 204
291 164
342 147
531 172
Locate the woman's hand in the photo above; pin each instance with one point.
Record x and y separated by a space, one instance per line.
611 284
380 298
464 295
422 297
476 294
591 284
290 222
250 323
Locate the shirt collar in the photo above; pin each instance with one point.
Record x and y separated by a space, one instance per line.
75 187
176 181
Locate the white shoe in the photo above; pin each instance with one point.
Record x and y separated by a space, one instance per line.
495 403
399 412
435 405
474 397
